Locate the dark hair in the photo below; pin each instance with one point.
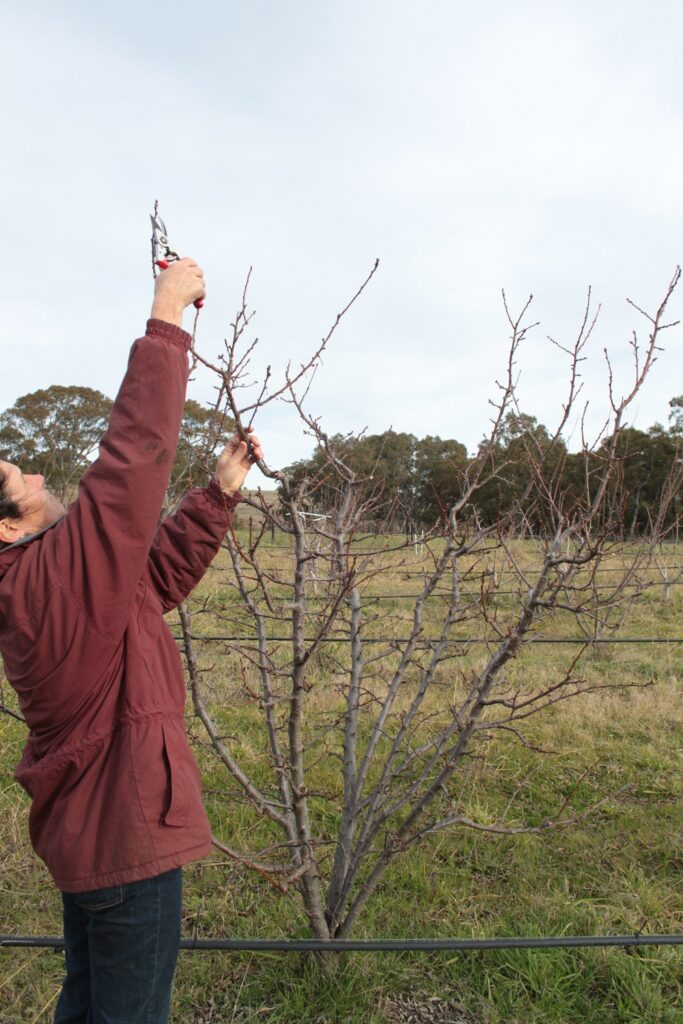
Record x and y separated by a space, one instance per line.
8 509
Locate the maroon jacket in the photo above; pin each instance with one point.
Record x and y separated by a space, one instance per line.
114 787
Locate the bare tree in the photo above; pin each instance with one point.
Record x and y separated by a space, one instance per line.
403 704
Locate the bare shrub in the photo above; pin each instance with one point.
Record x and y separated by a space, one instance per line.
404 705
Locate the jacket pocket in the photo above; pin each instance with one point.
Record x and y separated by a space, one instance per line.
183 792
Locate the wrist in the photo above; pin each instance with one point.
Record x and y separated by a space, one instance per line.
228 491
220 498
167 311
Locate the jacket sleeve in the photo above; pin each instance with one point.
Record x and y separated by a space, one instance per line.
96 554
186 543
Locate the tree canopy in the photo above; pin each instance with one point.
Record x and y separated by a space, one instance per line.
56 432
203 433
404 481
410 483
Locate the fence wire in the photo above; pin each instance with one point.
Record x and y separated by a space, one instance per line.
429 641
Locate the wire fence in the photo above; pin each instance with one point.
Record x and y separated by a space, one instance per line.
431 641
413 945
466 641
497 593
416 573
447 594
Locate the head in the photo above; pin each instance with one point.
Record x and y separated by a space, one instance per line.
25 506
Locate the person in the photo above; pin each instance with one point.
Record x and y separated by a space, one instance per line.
116 808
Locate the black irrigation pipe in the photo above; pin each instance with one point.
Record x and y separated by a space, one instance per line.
427 642
381 945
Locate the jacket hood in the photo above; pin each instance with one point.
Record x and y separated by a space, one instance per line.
10 552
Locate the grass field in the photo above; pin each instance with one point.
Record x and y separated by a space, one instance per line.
618 871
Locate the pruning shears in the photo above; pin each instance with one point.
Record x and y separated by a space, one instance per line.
162 251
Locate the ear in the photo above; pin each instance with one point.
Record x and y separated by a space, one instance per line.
10 532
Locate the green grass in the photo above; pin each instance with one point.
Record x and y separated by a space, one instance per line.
617 871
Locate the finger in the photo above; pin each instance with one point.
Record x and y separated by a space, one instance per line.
236 449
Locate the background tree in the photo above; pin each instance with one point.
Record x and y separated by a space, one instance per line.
384 465
406 482
645 461
203 434
55 431
438 472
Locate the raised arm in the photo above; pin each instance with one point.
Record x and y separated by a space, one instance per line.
186 542
97 553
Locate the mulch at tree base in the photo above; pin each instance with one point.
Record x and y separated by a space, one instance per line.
396 1009
401 1009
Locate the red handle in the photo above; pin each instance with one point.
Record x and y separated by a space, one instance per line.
163 265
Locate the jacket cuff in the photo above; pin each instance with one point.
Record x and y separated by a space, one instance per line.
219 498
162 329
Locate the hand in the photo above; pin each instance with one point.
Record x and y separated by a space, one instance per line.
175 288
236 460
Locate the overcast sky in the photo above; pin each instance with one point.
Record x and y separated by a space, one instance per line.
536 147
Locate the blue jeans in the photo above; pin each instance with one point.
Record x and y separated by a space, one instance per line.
121 950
